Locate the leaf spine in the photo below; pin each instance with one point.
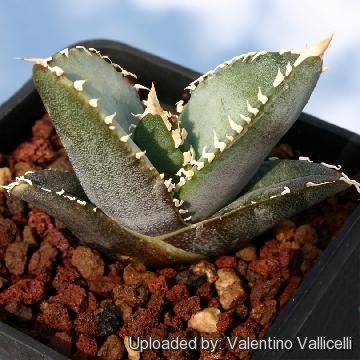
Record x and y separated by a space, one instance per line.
57 70
45 189
316 50
125 138
338 167
180 106
347 180
229 137
311 184
177 202
72 198
305 158
139 86
169 185
278 79
109 119
65 52
78 85
258 54
199 164
181 182
93 102
251 109
207 155
218 144
288 69
140 154
80 47
236 127
261 97
285 191
247 119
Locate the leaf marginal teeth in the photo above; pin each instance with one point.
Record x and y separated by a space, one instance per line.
57 70
65 52
278 79
261 97
285 191
206 155
236 127
139 86
180 106
125 138
247 119
219 144
78 85
140 154
338 167
109 119
288 69
44 189
93 102
251 109
178 202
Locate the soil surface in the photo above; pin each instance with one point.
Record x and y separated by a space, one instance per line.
75 300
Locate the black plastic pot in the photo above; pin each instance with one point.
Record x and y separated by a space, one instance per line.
327 302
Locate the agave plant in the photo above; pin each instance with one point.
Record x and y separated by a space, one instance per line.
164 188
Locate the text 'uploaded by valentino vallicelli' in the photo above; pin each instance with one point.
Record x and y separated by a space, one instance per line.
234 343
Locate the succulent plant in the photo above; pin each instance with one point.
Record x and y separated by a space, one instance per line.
164 188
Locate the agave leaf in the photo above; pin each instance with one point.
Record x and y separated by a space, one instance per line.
237 114
115 174
65 181
100 76
97 230
153 136
280 189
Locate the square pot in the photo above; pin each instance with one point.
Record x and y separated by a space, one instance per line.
326 305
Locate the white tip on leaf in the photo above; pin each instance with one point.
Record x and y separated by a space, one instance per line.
38 61
316 50
153 107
